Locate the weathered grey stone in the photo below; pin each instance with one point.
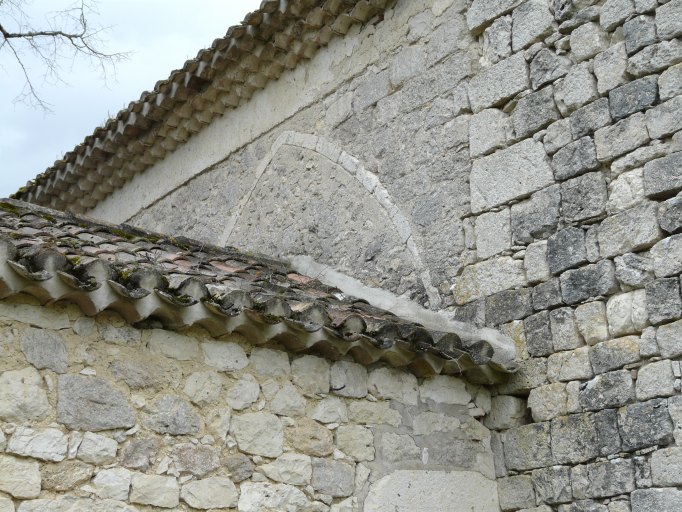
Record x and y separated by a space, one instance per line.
444 389
509 174
239 466
489 129
610 67
160 491
629 231
576 89
633 270
670 214
655 58
588 40
623 137
224 355
626 313
140 452
144 373
664 119
243 393
22 397
663 302
588 282
575 159
590 118
646 500
591 321
203 388
670 82
173 345
516 492
667 256
606 425
626 191
498 83
257 497
349 379
258 433
569 365
547 402
372 87
583 197
531 22
633 97
44 349
214 492
669 20
399 448
195 459
603 479
37 316
655 380
309 437
65 475
89 403
536 217
493 233
19 478
547 295
483 12
531 374
528 447
645 424
534 112
574 439
612 354
663 176
566 249
669 339
535 261
508 305
393 384
648 347
553 484
288 401
172 415
311 374
373 413
538 334
290 468
608 390
666 467
333 477
615 12
268 362
638 33
547 66
565 335
506 412
356 442
408 62
497 41
484 278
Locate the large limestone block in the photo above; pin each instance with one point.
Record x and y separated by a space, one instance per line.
112 483
46 444
290 468
509 174
265 497
224 355
71 504
215 492
174 345
483 12
19 478
653 500
499 82
22 397
39 316
89 403
311 438
427 491
393 384
488 277
172 415
666 467
258 433
333 477
159 491
355 441
311 374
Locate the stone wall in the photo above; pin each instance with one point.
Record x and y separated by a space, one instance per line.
97 415
513 163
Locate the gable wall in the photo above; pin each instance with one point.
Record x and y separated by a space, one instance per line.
96 415
514 163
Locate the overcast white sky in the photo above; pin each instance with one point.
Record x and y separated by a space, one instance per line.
160 34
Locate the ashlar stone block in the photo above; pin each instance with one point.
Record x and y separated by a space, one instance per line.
663 301
535 262
547 66
528 447
486 278
534 112
655 58
615 12
634 270
536 217
565 334
670 215
489 129
548 402
574 439
547 295
566 249
603 479
667 256
629 231
576 89
612 354
538 334
349 379
669 339
663 176
626 191
588 40
622 137
500 82
557 135
610 67
483 12
509 174
588 282
583 197
638 33
665 119
608 390
569 365
531 22
493 233
655 380
633 97
627 313
645 424
591 321
575 158
647 500
669 20
516 492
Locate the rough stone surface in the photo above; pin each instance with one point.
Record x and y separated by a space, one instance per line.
670 214
485 278
333 477
645 424
566 249
536 217
612 354
576 89
498 83
663 301
160 491
44 349
633 97
669 339
259 433
19 477
349 379
588 282
586 120
588 40
623 137
528 447
583 197
258 496
664 119
170 414
547 66
225 356
627 313
667 256
591 321
493 233
608 390
655 380
214 492
663 175
22 397
509 174
89 403
574 159
535 111
97 449
644 500
311 374
516 492
629 231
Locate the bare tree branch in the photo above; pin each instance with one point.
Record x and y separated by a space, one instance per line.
68 35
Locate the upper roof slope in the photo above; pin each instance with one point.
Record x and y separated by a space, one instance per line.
56 256
269 41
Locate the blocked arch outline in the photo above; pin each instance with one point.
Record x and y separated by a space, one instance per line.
355 169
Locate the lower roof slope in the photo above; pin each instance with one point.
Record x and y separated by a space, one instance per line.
61 257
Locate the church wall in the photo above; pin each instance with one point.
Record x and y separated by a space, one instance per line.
512 163
100 416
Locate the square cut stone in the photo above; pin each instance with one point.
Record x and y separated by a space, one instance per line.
669 20
509 174
633 97
493 233
499 83
663 176
622 137
574 159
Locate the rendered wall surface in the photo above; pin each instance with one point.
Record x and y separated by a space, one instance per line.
516 163
99 416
